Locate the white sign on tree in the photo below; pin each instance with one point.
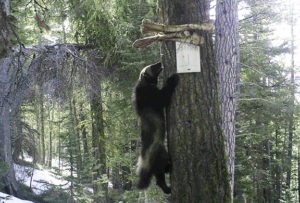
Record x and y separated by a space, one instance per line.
188 58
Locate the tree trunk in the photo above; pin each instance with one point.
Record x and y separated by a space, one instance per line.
227 55
7 178
196 142
5 29
49 163
84 134
42 124
298 172
291 103
71 160
98 143
38 124
17 137
278 167
51 131
76 139
84 137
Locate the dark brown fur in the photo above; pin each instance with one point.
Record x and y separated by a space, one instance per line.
150 102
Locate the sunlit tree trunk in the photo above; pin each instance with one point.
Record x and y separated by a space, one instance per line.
227 55
196 142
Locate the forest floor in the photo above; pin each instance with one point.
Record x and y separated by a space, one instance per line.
5 198
39 181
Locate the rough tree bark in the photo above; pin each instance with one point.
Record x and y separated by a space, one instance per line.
196 142
8 178
227 56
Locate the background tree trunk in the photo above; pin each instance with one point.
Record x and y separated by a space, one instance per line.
76 138
196 142
291 124
98 142
227 56
8 178
51 134
42 123
17 138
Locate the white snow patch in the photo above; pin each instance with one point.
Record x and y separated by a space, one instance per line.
42 180
5 198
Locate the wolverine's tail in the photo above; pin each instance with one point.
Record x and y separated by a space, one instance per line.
144 179
144 173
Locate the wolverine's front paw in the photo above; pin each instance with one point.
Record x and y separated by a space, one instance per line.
173 80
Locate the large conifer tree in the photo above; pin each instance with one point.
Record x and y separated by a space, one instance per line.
196 142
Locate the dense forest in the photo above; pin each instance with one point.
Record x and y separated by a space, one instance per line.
67 74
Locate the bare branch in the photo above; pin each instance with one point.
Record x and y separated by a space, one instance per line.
42 63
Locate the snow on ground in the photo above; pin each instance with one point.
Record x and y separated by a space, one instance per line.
4 198
41 181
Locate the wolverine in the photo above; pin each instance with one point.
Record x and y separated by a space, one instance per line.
150 103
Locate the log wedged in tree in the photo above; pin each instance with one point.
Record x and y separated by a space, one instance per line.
186 37
186 33
151 27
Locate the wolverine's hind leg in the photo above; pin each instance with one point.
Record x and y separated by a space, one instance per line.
161 182
162 166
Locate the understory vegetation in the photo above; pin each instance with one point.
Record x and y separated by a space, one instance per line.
74 71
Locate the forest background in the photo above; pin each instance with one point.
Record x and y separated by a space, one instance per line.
77 118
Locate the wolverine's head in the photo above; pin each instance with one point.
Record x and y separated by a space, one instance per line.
150 73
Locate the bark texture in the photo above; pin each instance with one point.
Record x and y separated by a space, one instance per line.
8 179
196 143
227 55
